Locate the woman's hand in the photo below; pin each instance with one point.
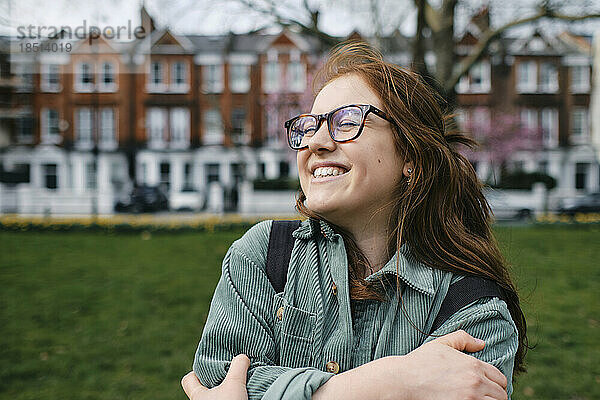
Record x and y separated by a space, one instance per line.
439 370
436 370
232 388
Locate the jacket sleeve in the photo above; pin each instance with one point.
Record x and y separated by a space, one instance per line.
240 321
488 319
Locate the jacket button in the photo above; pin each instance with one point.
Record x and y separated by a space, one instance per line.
334 289
280 313
333 367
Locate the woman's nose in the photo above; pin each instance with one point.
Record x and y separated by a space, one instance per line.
321 141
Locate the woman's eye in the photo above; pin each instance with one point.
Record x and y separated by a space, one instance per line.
348 123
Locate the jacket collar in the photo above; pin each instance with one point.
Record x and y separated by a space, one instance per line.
412 272
311 228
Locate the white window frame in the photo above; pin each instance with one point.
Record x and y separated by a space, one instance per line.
528 85
239 78
167 183
45 174
584 169
21 138
45 84
212 78
467 84
583 85
91 175
242 137
159 86
271 123
187 178
548 82
108 131
529 120
213 169
47 136
212 124
182 87
179 121
156 127
108 87
80 86
549 125
296 76
24 72
271 76
579 134
84 135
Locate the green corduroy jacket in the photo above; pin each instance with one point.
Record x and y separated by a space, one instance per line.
295 339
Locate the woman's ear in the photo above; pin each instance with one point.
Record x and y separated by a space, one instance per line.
408 169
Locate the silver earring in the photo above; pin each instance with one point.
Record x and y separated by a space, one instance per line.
409 173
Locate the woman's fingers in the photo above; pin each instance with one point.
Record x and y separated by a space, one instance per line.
238 369
496 382
496 392
494 374
191 385
496 396
462 341
233 386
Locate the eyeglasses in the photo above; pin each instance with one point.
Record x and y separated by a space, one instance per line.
344 124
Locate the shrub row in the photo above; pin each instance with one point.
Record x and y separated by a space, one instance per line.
122 224
579 218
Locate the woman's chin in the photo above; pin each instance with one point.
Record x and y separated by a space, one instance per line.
324 208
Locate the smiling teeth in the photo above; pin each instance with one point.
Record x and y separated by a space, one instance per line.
328 171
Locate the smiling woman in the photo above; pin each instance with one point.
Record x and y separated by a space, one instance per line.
397 230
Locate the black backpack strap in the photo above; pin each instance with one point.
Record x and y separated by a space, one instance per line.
279 252
463 293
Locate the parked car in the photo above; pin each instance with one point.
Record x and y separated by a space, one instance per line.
506 205
144 199
587 204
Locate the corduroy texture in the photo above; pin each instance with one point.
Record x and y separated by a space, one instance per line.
289 356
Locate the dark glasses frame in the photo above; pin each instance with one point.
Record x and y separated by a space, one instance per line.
365 108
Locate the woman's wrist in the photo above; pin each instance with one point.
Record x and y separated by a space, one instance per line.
366 382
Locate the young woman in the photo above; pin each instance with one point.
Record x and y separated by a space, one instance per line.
396 215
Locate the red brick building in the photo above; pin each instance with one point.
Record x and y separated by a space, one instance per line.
199 115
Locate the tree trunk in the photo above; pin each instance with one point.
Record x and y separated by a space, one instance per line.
418 51
444 50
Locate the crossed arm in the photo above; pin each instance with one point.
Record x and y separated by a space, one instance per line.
437 370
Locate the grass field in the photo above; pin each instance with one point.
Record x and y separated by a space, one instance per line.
98 316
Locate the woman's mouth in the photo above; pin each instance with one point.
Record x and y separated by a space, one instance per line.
328 173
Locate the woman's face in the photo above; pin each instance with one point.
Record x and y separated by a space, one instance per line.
370 164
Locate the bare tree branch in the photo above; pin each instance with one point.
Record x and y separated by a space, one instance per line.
482 45
269 8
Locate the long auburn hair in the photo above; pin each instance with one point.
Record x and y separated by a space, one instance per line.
442 213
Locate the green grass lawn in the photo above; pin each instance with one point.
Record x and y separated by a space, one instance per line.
98 316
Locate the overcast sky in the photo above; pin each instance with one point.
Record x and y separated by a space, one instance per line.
339 17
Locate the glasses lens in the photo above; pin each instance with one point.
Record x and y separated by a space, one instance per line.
299 129
346 122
